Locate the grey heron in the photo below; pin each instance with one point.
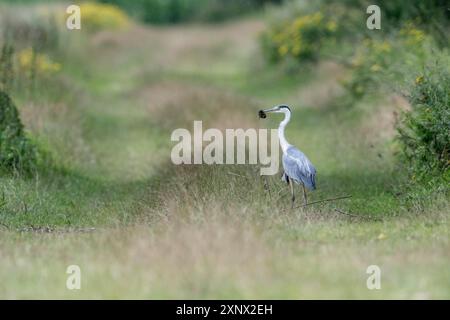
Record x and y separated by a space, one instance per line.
297 167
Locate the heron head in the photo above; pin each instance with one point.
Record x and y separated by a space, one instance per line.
277 109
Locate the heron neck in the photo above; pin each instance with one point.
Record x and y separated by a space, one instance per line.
283 142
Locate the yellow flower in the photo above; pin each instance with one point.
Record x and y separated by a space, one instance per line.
278 37
97 16
375 68
381 236
419 79
357 60
37 62
283 50
412 35
296 49
331 26
299 23
386 47
317 17
367 42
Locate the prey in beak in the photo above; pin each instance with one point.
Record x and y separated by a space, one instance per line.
278 109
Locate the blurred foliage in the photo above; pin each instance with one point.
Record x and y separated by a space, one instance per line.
346 20
22 70
32 63
6 67
432 15
388 62
424 132
32 48
370 62
300 39
174 11
98 16
39 30
17 153
303 32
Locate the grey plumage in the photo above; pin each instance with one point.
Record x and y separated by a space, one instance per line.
298 168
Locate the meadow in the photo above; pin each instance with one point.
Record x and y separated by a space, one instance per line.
101 105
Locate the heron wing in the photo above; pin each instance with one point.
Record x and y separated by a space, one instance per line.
298 167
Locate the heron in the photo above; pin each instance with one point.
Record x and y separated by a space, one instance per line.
296 165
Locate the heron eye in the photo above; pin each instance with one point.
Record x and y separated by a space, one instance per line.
262 114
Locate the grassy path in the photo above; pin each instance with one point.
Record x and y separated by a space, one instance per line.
199 232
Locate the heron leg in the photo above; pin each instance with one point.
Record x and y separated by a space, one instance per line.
305 197
291 184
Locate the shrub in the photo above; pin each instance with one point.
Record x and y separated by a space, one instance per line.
301 38
97 16
32 63
370 63
38 29
17 153
431 14
387 62
424 132
6 67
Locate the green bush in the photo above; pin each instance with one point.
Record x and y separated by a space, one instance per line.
300 39
424 131
303 33
431 15
343 24
17 152
38 30
387 62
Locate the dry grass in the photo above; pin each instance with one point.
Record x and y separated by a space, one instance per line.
381 123
229 258
176 104
57 124
193 48
325 88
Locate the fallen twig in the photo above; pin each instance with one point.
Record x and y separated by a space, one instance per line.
357 216
323 200
235 174
49 229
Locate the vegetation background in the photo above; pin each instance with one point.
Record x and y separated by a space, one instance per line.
85 171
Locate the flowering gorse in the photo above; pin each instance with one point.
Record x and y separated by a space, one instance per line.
300 39
96 16
31 62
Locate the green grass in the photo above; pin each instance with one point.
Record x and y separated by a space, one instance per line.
163 231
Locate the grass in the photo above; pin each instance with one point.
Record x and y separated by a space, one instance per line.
210 231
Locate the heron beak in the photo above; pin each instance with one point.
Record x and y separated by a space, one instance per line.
271 109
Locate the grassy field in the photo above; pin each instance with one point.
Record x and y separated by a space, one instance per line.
140 227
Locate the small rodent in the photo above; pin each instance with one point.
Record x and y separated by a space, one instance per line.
262 114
